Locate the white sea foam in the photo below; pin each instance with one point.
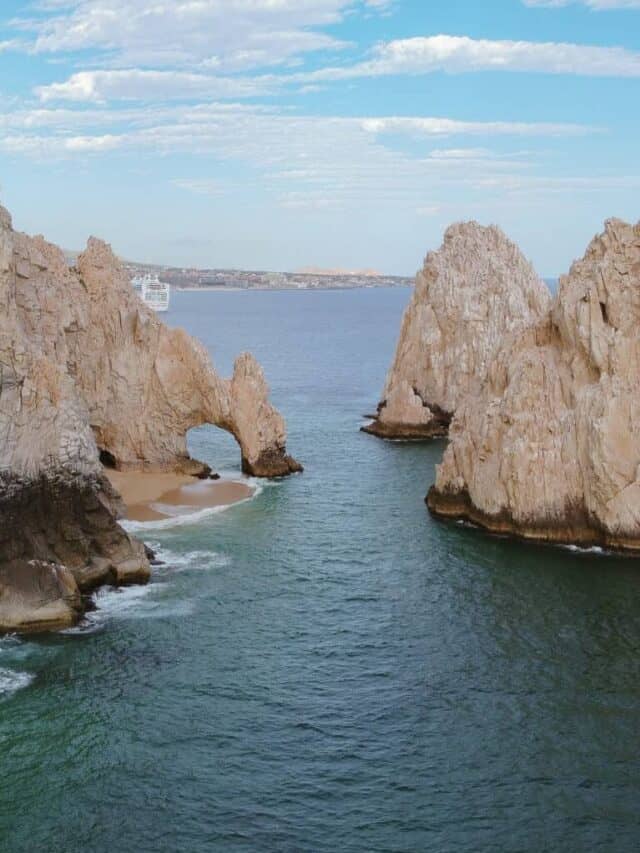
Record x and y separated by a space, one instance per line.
12 681
130 602
176 520
138 602
594 549
189 561
121 601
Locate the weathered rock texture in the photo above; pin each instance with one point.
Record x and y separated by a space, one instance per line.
144 385
469 296
87 370
58 529
549 448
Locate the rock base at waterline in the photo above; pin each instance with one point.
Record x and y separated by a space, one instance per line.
271 463
59 540
572 528
409 432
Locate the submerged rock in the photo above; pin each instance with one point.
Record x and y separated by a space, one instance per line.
88 374
549 448
470 294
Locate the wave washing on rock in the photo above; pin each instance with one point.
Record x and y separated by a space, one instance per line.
469 295
87 372
549 448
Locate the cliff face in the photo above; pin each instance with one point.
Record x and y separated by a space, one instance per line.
87 369
472 293
58 529
549 448
144 385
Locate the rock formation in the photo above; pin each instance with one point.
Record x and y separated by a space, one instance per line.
469 296
145 385
549 448
88 372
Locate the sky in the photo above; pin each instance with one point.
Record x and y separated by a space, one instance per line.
278 134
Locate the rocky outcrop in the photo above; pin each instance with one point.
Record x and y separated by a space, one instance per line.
58 529
471 294
144 385
549 448
87 372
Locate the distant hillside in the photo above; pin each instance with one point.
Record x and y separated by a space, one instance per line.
338 271
310 278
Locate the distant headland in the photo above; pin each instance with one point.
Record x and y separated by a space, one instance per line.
306 278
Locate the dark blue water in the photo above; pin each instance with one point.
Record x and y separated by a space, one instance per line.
325 668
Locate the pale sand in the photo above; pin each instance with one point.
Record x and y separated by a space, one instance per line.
152 497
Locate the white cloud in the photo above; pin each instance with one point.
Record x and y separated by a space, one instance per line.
313 163
199 186
40 147
137 84
91 143
450 127
228 34
599 5
456 54
69 120
554 185
237 127
460 153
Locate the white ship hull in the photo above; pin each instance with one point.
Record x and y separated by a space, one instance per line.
153 292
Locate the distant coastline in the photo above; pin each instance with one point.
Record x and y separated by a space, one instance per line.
221 288
192 278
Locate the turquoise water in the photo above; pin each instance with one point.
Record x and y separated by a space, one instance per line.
324 667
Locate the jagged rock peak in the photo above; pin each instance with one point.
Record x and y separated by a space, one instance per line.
471 293
550 447
5 218
172 374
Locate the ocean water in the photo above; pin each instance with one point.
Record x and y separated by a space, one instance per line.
325 667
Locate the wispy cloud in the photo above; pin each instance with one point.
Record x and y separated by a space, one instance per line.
456 54
199 186
10 44
265 132
450 127
420 55
136 84
598 5
305 162
226 34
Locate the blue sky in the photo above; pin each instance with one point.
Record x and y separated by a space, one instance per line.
341 133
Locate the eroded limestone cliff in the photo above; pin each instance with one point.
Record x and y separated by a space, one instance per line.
549 447
87 370
145 385
470 294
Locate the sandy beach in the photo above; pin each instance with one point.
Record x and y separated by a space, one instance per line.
153 497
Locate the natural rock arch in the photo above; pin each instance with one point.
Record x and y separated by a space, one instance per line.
89 375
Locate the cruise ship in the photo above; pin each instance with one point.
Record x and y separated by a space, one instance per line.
153 292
